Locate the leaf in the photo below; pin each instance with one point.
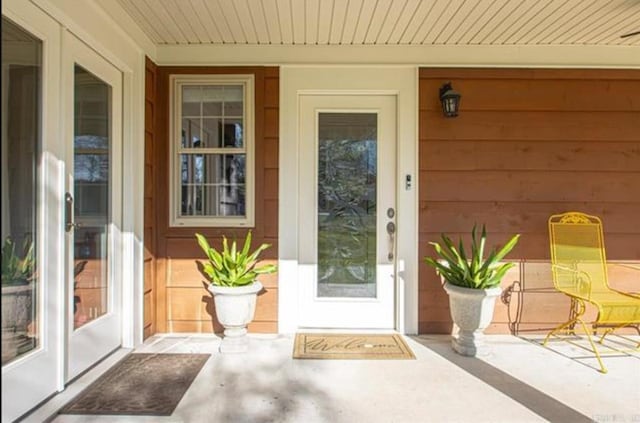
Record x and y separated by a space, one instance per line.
230 266
474 271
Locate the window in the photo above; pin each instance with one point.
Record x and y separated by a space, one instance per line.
212 160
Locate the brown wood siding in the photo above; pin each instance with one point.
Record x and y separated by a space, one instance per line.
527 144
150 225
183 303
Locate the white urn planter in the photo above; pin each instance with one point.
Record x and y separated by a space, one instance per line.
472 311
235 308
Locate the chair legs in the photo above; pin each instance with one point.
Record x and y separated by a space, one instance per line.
614 328
575 318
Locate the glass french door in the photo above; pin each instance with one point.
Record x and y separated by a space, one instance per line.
347 211
92 206
31 230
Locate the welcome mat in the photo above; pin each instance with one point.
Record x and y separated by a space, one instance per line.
140 384
351 346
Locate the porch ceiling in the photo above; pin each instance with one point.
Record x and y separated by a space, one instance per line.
387 22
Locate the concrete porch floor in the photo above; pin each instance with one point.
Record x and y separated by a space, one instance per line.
518 381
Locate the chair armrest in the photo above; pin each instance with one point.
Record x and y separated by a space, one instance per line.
568 269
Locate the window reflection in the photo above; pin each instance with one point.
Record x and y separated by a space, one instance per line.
91 166
21 75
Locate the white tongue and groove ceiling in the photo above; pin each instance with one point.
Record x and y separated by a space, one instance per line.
388 22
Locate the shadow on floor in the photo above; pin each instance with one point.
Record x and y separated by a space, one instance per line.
537 401
577 348
267 389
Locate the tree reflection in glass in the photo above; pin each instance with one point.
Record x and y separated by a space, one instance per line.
347 171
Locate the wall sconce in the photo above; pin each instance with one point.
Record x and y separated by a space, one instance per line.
450 100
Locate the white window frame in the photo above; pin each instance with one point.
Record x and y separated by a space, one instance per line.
176 84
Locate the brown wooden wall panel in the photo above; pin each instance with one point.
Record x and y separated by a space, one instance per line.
543 95
524 126
150 226
530 186
529 155
183 302
528 143
523 218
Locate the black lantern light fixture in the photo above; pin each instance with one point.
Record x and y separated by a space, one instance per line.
450 100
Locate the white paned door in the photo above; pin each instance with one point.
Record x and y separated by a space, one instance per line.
347 146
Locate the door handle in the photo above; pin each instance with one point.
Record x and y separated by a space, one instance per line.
391 230
68 213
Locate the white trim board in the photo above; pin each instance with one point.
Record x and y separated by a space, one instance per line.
545 56
296 80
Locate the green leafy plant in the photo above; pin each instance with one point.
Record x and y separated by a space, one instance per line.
475 271
17 269
233 267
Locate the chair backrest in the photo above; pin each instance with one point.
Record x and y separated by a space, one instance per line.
578 258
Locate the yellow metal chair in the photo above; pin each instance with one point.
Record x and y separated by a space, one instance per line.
579 268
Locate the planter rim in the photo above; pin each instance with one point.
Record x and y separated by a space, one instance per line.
489 292
253 288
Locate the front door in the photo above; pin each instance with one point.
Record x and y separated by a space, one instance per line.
93 209
347 211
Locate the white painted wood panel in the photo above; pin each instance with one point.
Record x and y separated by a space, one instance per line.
338 21
285 21
368 22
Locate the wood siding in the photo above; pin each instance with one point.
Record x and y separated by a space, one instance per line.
183 303
150 227
528 144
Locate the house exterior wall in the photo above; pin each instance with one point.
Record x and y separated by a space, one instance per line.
182 303
527 144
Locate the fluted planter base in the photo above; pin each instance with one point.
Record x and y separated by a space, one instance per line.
471 311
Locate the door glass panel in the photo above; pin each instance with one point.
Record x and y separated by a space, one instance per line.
21 106
347 171
92 187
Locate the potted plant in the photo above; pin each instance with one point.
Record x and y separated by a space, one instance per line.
18 271
233 282
473 284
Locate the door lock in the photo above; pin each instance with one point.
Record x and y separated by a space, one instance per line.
391 228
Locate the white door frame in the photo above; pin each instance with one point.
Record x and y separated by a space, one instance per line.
44 365
377 312
401 81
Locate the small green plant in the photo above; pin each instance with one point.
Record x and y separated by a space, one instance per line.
16 269
232 267
474 272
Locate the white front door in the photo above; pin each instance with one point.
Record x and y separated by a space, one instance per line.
347 205
93 207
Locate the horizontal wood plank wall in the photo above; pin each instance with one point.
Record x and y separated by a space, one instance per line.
183 303
527 144
149 207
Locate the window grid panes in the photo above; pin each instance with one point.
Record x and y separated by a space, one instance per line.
212 153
